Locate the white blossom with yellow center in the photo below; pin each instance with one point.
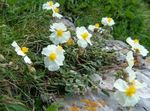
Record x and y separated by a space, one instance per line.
107 21
136 47
83 37
54 57
50 5
22 52
54 7
59 33
93 27
56 13
129 94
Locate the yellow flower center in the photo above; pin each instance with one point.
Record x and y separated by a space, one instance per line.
130 91
109 19
24 49
85 35
52 56
97 25
136 41
59 33
56 10
50 3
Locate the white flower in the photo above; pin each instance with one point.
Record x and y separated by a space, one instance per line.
54 57
130 59
54 7
129 94
83 37
56 13
60 33
50 5
93 27
136 47
107 21
22 52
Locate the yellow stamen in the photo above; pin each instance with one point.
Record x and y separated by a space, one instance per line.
97 25
59 33
130 91
136 41
56 10
85 35
50 3
53 56
109 19
24 49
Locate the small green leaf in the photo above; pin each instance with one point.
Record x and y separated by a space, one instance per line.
53 107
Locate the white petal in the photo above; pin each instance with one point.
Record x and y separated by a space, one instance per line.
82 43
144 92
130 58
60 59
131 101
65 37
14 44
46 6
54 38
121 85
52 66
58 26
56 5
120 97
88 39
131 73
19 52
27 60
57 15
91 28
60 50
104 21
80 31
143 50
130 41
139 85
47 50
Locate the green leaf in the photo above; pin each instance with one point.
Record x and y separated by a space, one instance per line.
53 107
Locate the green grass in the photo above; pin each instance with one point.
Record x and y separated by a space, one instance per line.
26 22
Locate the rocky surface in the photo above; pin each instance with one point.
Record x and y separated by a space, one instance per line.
109 102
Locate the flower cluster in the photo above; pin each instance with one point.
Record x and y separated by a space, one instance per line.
130 91
60 35
54 53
